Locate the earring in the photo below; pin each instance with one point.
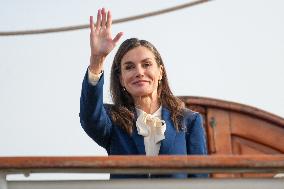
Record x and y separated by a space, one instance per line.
159 82
124 89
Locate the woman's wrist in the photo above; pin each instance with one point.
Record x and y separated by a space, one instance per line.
96 64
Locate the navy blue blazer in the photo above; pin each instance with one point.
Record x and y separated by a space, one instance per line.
96 122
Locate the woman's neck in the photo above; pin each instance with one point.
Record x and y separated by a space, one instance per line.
147 104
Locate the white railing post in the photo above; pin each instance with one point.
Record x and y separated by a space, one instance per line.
3 181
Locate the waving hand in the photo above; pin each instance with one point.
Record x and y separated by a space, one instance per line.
101 41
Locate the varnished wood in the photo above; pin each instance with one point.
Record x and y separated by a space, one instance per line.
257 130
232 106
139 164
238 129
221 130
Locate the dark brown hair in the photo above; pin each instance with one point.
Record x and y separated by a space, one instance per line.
122 112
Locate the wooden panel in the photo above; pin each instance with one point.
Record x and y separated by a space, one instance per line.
210 125
197 108
238 129
221 130
243 146
248 147
258 131
219 123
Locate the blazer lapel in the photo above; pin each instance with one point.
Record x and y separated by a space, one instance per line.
170 133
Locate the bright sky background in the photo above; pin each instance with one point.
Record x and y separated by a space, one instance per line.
224 49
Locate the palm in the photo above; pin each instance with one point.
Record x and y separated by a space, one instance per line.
100 38
101 43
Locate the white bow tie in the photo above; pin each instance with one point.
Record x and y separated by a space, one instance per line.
149 125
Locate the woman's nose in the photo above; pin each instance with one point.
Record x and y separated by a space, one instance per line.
139 71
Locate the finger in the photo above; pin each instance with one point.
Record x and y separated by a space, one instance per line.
92 24
103 17
117 37
109 20
98 24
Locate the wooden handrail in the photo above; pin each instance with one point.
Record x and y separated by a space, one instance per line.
143 164
233 106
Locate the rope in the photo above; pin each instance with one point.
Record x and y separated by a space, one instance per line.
116 21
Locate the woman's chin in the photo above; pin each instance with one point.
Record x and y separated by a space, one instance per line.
141 93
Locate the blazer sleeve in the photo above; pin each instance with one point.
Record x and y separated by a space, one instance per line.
93 115
196 140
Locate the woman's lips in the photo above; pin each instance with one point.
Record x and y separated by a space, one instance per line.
139 82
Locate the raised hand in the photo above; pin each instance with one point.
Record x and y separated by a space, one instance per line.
101 41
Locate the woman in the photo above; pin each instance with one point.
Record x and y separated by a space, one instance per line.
146 118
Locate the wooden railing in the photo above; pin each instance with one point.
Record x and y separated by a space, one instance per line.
141 164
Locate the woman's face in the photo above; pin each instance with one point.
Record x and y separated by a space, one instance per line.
140 73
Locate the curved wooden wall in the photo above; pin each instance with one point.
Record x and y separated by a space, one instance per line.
238 129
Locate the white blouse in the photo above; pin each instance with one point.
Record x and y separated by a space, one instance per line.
150 126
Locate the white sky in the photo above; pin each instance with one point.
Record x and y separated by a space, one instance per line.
224 49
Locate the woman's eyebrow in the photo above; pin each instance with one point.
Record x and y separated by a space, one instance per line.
127 63
130 62
146 59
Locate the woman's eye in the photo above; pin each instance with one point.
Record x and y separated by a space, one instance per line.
147 64
128 67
